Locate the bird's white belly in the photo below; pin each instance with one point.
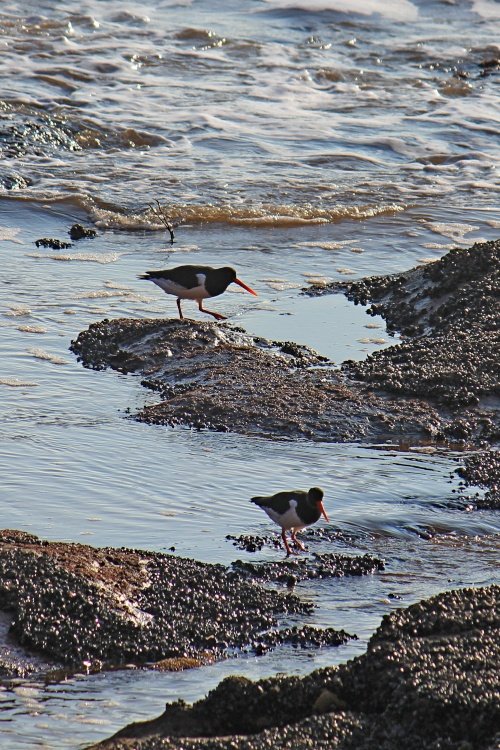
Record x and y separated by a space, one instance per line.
288 520
170 287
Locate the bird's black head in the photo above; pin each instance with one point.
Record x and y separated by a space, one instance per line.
315 495
220 278
228 274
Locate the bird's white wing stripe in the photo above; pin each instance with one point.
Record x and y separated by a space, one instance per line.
170 287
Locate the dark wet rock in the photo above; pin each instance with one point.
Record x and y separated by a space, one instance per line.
428 681
489 66
483 470
449 309
454 304
325 565
78 232
299 352
213 377
14 181
34 132
28 130
431 673
240 707
303 637
18 661
78 604
320 733
254 542
330 534
443 384
52 243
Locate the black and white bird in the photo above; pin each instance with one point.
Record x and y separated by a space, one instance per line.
293 510
196 283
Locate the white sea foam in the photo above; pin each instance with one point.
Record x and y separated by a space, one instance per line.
83 257
16 311
439 247
317 280
32 329
372 340
42 354
10 233
489 9
280 285
325 244
103 294
398 10
16 383
455 230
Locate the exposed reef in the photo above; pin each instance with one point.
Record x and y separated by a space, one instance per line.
211 376
84 607
482 469
449 312
428 680
76 603
442 384
79 232
325 565
54 244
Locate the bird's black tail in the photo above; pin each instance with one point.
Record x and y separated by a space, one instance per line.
258 501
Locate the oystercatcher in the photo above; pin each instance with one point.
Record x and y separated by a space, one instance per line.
196 283
293 510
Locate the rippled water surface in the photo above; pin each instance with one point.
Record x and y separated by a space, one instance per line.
300 142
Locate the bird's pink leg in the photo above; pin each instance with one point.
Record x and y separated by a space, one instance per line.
296 541
285 542
216 315
181 316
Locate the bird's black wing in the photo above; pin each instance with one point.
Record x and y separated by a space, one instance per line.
185 276
279 502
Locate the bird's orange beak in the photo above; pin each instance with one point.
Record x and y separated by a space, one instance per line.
247 288
323 511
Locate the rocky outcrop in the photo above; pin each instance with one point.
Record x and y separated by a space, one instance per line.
440 384
326 565
429 680
92 608
448 310
482 469
214 377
